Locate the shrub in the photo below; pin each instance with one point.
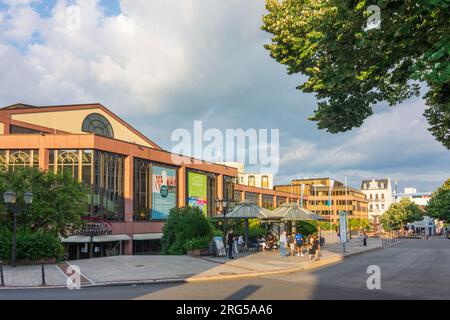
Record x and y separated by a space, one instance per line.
31 245
184 224
201 243
306 228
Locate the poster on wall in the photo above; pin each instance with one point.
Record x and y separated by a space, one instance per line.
197 186
164 192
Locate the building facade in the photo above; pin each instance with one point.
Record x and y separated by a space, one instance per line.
419 198
259 180
317 197
132 182
379 194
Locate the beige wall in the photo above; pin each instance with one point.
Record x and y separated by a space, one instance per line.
2 127
72 120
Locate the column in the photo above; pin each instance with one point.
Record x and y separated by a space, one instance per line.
128 194
220 186
182 187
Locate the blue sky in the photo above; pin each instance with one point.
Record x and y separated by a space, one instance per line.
161 65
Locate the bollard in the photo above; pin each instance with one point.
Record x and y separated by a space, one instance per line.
43 274
2 278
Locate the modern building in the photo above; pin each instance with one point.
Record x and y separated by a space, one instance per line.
379 194
419 198
317 197
133 182
259 180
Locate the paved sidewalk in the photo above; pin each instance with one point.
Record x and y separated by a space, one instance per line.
156 269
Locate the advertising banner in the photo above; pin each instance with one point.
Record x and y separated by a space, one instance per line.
197 186
164 192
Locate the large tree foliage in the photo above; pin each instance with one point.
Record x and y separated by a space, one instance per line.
350 70
183 227
58 201
439 204
399 214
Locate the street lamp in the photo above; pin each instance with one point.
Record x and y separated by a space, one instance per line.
222 205
10 198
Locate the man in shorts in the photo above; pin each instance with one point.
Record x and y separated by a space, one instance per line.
299 242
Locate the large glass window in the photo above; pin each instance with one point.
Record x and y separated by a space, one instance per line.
101 172
252 197
265 182
280 201
98 124
155 190
12 159
267 201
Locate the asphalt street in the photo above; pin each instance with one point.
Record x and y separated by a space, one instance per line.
416 269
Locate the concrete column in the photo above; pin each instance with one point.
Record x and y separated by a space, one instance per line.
260 199
128 193
43 159
274 201
242 196
182 187
220 186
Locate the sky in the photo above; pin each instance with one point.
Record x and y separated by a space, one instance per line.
163 64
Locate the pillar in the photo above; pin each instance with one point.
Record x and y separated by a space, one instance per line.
128 194
182 190
220 186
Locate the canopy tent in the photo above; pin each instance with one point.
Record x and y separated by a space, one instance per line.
247 210
293 212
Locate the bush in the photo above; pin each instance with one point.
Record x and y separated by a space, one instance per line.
183 225
306 228
31 245
201 243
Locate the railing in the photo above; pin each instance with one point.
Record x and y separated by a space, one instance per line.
390 241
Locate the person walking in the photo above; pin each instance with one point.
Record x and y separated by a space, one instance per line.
283 245
365 238
299 242
316 248
230 242
292 244
311 251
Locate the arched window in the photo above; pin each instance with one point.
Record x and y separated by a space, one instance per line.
98 124
19 159
68 161
251 181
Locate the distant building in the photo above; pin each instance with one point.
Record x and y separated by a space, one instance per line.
258 180
379 194
343 198
419 198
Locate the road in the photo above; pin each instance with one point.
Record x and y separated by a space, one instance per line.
417 269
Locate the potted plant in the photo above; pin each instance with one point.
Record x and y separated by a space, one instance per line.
197 247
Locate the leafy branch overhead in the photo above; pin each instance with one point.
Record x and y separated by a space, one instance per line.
351 70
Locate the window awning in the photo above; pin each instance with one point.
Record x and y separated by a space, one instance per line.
86 239
147 236
111 238
76 239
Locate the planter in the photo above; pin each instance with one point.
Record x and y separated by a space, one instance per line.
198 252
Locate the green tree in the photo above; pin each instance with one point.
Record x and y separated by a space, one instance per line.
58 201
358 224
351 70
399 214
439 204
183 226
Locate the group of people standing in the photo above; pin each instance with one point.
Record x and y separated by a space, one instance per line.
296 242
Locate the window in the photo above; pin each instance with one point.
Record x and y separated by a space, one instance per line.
264 182
21 130
98 124
251 181
252 197
267 201
13 159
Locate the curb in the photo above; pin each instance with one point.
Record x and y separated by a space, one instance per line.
312 266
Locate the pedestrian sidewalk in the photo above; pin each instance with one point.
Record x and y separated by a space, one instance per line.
121 270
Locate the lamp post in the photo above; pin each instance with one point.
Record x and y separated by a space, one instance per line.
222 206
10 198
